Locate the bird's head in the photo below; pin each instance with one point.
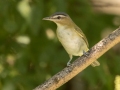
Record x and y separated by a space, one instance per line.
60 18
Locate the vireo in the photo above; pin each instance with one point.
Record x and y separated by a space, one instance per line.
70 35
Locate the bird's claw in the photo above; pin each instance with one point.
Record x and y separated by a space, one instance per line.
68 64
84 53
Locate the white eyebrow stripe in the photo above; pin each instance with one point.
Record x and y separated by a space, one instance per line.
58 15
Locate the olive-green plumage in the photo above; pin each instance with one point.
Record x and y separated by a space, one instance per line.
70 35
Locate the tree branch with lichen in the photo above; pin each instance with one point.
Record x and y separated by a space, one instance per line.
82 62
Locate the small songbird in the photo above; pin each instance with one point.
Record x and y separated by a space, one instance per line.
70 35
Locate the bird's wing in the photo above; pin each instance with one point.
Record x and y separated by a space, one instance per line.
79 31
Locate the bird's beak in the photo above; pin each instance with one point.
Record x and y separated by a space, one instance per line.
46 18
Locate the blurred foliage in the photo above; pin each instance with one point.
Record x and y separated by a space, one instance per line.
30 52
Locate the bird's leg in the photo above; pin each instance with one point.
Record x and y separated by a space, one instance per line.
68 63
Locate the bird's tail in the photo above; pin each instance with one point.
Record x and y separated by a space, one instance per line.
95 63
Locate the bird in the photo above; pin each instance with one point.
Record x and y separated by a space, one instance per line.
70 35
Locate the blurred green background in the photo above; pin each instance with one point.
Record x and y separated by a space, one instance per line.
30 52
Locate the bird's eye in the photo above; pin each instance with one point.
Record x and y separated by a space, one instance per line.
58 17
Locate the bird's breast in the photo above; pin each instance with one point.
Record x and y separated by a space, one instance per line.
71 40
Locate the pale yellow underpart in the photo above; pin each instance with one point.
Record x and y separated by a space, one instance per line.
73 41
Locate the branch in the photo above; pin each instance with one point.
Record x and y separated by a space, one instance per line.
82 62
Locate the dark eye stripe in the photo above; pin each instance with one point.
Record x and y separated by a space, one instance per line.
58 17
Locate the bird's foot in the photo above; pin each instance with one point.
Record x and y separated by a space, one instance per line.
68 64
84 53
